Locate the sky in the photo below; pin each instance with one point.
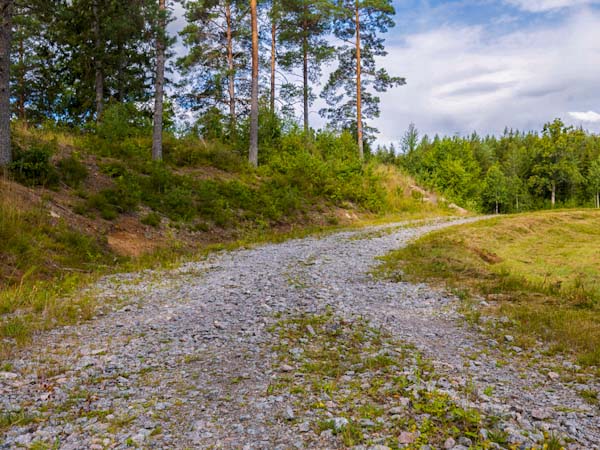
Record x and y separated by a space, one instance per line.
484 65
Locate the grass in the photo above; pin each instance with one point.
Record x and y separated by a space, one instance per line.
542 270
345 368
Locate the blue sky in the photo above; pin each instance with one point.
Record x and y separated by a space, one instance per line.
483 65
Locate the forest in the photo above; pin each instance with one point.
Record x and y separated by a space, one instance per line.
515 172
248 78
72 61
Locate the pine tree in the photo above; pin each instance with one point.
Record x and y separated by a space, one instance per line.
303 30
6 11
157 153
358 24
253 152
215 69
102 51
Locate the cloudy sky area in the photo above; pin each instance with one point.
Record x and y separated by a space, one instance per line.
487 64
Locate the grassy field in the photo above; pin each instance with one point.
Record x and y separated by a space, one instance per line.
542 270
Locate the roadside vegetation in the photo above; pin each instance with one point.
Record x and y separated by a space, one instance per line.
76 205
541 270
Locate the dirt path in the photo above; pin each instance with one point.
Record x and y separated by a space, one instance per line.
186 361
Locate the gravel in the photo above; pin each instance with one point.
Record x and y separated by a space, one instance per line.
183 358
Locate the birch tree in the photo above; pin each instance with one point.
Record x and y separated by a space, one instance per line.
594 180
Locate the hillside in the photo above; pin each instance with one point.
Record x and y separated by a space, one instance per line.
76 205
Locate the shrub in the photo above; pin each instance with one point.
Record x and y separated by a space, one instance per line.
72 172
152 219
178 203
32 166
124 197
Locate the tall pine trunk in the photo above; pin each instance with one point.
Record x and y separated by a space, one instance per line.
359 125
253 152
99 81
597 199
305 83
553 195
231 73
273 55
22 95
157 151
6 9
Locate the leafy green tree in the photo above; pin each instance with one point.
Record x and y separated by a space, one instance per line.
593 179
410 140
358 24
495 188
556 162
106 54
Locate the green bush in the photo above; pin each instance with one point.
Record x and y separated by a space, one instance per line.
99 203
124 197
72 172
152 219
178 203
32 167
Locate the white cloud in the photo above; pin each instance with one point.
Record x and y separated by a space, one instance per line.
548 5
589 116
460 79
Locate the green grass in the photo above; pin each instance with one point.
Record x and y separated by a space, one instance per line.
360 368
542 270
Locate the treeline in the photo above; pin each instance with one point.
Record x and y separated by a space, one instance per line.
559 167
68 61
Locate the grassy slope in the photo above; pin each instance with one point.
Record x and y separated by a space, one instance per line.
54 240
541 269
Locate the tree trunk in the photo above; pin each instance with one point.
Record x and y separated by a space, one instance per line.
120 81
6 9
517 203
231 73
273 55
305 83
359 125
22 100
553 198
597 199
157 151
497 209
253 153
99 82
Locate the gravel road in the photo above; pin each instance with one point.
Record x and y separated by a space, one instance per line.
185 359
